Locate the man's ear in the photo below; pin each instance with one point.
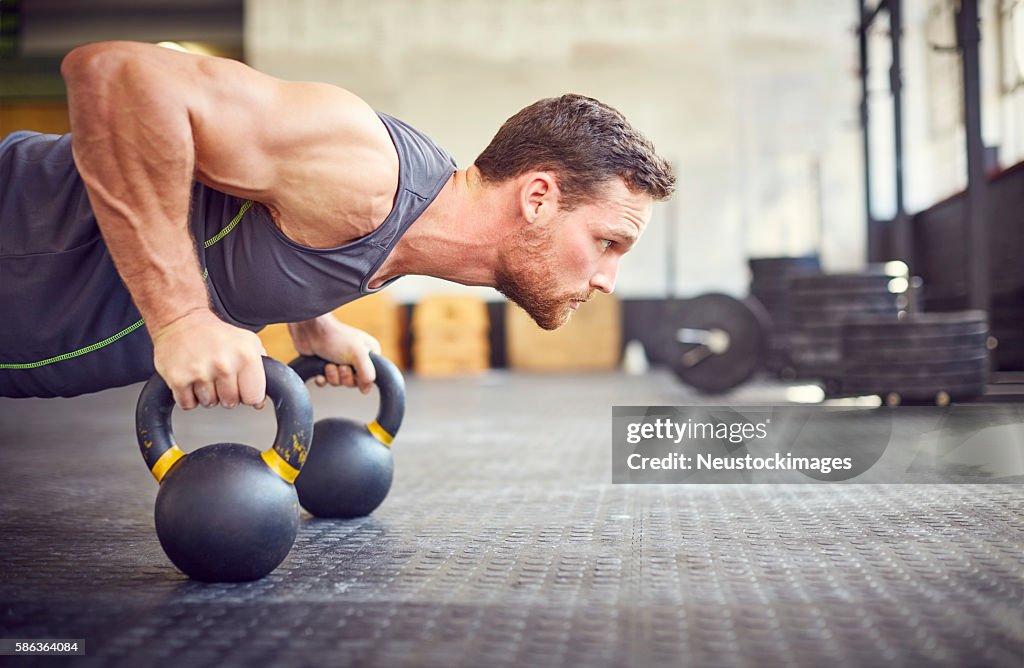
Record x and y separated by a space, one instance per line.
538 195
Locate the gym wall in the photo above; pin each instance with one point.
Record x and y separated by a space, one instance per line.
754 102
933 135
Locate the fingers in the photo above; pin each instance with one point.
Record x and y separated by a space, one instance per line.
365 373
209 362
206 393
227 391
229 387
252 383
263 401
184 397
348 348
343 375
346 376
336 374
333 374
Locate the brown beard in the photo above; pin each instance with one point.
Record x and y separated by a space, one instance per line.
524 271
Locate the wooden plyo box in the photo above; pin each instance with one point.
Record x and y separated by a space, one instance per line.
439 359
591 341
450 336
376 314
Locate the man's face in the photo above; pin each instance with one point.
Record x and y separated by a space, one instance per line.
552 264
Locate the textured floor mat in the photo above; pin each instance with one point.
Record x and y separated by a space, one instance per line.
504 543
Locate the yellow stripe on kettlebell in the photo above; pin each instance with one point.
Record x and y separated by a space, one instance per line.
279 466
380 433
166 461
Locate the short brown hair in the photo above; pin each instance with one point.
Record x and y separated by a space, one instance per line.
584 142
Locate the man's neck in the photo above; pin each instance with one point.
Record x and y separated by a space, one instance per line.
456 238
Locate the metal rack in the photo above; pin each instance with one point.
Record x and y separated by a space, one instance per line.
894 238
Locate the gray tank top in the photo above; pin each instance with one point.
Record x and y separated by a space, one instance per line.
258 276
67 322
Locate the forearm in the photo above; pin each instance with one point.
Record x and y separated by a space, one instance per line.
308 336
311 328
135 151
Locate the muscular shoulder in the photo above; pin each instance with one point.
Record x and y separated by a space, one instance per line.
334 169
344 184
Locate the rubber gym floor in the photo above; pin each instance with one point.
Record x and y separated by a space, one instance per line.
503 542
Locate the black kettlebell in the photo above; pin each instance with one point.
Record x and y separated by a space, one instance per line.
350 465
227 512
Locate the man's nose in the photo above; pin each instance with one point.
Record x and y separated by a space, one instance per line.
604 278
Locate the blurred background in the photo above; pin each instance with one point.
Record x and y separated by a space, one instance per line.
780 119
848 230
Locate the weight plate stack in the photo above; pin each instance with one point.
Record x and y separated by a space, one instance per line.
1008 331
713 342
769 285
933 357
822 303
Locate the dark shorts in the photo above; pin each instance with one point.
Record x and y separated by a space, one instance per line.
67 322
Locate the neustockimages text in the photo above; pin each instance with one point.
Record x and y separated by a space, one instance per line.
664 429
778 462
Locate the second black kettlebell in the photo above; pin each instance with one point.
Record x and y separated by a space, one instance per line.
349 469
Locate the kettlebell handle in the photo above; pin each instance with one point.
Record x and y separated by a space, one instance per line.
292 407
390 384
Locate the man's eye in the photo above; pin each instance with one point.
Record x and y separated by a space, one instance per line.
606 243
